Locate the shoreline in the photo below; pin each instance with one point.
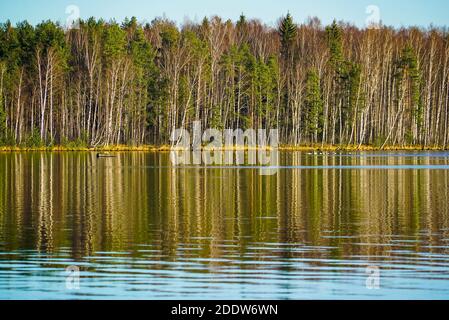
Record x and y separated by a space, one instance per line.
167 148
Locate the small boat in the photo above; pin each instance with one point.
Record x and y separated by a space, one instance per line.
105 155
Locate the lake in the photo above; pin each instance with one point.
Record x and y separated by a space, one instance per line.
327 226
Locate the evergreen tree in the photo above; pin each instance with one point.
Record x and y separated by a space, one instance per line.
313 106
408 73
410 63
351 81
114 44
334 41
241 23
287 32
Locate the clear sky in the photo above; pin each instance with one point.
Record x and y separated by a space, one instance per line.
392 12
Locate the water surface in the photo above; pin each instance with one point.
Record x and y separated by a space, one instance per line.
137 227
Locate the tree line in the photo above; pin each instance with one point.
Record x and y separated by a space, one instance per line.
106 83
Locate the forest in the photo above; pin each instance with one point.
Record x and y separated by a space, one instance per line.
130 83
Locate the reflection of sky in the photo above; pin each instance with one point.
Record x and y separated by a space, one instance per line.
128 278
396 13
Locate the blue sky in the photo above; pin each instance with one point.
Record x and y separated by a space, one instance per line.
392 12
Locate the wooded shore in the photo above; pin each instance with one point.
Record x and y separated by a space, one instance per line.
167 148
132 83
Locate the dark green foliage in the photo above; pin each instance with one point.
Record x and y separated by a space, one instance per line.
50 35
287 32
242 22
351 76
334 41
114 45
347 77
169 35
27 41
313 106
34 139
80 142
408 68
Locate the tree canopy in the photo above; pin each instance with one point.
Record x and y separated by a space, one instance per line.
131 83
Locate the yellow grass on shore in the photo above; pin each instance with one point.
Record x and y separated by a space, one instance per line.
334 148
166 148
112 148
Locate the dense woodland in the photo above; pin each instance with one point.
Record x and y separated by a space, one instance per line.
106 83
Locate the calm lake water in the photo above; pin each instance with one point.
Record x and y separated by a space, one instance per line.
138 228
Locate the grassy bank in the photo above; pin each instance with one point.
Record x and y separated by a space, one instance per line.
165 148
334 148
112 148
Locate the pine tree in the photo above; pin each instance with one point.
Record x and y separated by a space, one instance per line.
241 22
409 71
334 40
114 44
313 106
287 32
